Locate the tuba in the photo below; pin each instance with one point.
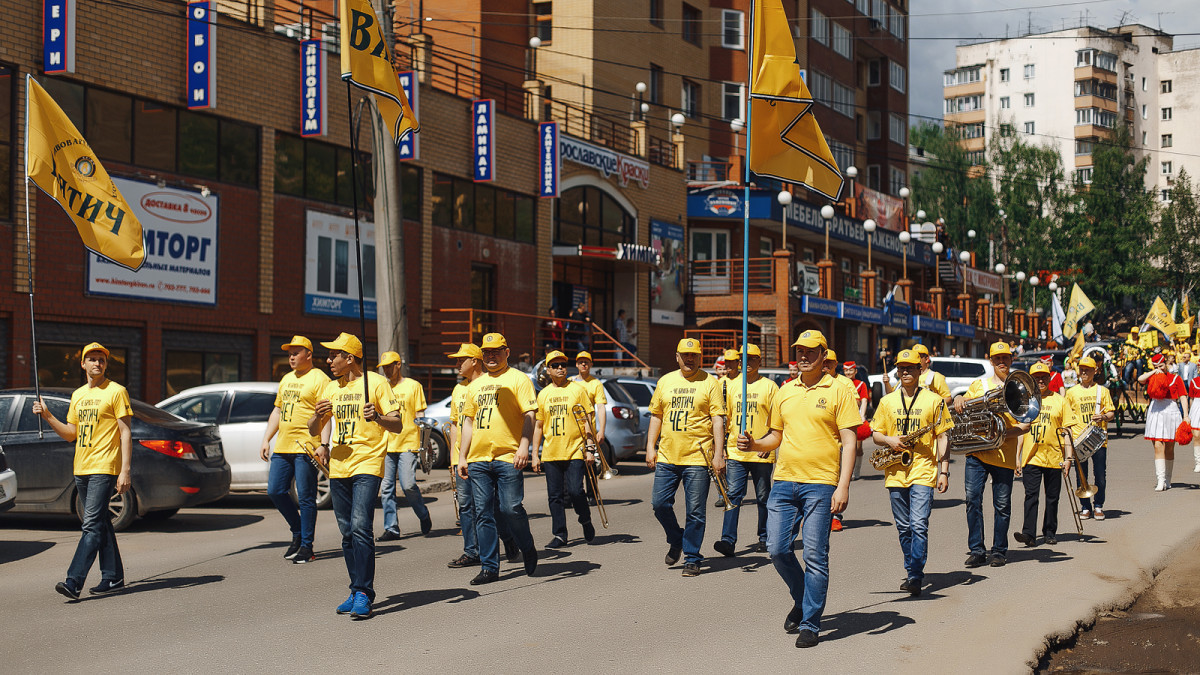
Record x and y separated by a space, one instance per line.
428 451
981 425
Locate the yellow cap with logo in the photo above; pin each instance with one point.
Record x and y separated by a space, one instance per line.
908 357
1000 348
831 355
388 358
297 341
688 346
921 349
732 355
467 350
1039 368
1087 362
555 356
583 356
346 342
753 350
93 347
493 341
810 338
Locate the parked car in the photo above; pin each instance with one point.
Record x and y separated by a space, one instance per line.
8 484
176 463
959 372
642 390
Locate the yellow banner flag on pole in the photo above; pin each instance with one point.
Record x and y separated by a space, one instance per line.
1080 306
367 64
61 163
1160 317
785 141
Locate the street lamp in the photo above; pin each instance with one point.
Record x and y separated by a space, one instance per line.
1000 268
643 107
736 125
929 233
784 198
826 264
852 173
937 291
534 43
904 194
904 283
868 276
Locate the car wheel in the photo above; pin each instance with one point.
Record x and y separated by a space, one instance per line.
442 460
122 507
324 499
160 515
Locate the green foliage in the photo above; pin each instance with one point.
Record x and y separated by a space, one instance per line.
1030 189
1177 238
947 189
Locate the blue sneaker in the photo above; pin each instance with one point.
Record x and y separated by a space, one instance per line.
362 606
346 606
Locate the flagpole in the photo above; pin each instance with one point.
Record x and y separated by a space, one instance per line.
362 317
746 217
37 387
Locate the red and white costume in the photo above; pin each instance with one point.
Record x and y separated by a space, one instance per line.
1163 415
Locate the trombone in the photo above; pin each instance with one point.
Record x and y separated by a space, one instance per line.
446 428
717 478
1074 495
590 445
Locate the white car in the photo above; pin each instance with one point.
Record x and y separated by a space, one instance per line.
8 484
959 374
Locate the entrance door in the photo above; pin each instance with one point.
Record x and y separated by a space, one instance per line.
710 262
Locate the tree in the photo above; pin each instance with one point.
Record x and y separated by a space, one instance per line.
1030 188
1177 237
948 188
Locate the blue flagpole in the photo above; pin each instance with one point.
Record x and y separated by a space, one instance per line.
746 218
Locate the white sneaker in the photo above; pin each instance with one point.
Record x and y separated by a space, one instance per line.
1099 513
1085 514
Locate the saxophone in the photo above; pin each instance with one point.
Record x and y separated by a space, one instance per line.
885 457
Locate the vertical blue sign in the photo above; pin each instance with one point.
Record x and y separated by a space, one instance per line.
548 168
410 147
484 130
201 54
58 36
312 113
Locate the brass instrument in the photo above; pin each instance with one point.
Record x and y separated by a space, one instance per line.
428 451
541 376
590 445
311 451
981 425
885 457
718 479
446 429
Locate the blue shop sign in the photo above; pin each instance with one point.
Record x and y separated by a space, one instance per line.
811 304
930 325
897 314
962 330
860 313
954 313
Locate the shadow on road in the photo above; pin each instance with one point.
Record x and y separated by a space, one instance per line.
1042 554
940 581
615 538
1114 513
746 563
615 502
196 521
415 599
947 503
849 624
857 524
168 583
12 551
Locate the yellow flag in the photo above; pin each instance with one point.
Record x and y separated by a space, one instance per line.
1148 340
1186 310
1183 329
62 164
785 141
367 64
1160 317
1080 306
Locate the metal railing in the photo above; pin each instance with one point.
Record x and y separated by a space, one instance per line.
661 152
724 277
714 342
710 172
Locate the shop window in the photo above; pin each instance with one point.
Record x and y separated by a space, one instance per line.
69 96
324 172
319 175
7 76
485 212
478 207
443 197
691 24
187 369
411 189
198 147
589 216
58 365
239 153
289 165
154 132
110 125
656 12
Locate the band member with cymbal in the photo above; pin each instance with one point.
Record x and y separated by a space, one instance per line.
813 425
686 412
1047 457
1093 406
558 449
905 411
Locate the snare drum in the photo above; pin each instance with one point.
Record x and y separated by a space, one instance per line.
1087 443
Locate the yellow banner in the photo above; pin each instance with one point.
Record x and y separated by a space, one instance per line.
1183 330
367 64
1160 317
62 164
1079 307
785 140
1148 340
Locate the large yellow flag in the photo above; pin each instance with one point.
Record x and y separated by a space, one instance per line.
1080 306
60 162
785 141
1160 317
367 63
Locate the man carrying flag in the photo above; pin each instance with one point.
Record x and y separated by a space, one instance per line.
367 64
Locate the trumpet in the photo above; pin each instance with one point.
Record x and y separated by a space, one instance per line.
428 451
311 452
590 445
446 429
718 479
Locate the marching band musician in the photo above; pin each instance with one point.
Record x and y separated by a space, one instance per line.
901 413
354 449
741 467
813 426
930 378
1163 416
560 440
686 412
830 368
404 449
1045 459
733 366
1092 405
998 464
862 395
595 390
497 426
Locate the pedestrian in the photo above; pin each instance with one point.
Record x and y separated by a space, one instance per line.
1163 416
299 391
558 448
1044 459
403 450
577 328
595 390
793 372
1093 405
813 425
354 446
99 424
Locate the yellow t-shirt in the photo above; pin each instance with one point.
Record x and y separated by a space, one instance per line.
686 408
892 419
594 388
935 382
94 411
1083 403
1006 455
811 419
1043 445
356 445
561 438
848 383
296 400
458 398
761 394
410 396
496 404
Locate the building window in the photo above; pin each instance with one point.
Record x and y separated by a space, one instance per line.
1004 74
897 130
1165 86
974 130
656 12
1096 116
315 170
1167 140
896 25
7 81
1083 146
808 255
1029 71
1028 100
961 76
1005 103
732 32
843 40
1084 175
1144 137
873 174
58 366
187 369
874 125
897 180
1165 194
821 87
843 154
690 97
1029 127
1145 111
732 104
1166 168
691 24
1006 130
656 83
874 73
589 216
963 104
1166 113
543 21
843 99
897 78
819 27
462 204
1143 84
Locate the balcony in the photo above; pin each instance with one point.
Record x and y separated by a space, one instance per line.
1094 73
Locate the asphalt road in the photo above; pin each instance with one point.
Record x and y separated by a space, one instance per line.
209 590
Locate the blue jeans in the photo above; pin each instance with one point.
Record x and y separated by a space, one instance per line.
98 538
404 466
564 484
466 520
1099 460
302 519
354 508
737 475
498 484
974 477
695 491
911 507
794 506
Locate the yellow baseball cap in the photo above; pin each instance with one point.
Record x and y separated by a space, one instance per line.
493 341
999 348
1039 367
810 338
555 356
1087 362
909 356
347 343
753 350
582 356
93 347
688 346
297 341
732 355
830 355
467 350
388 358
920 349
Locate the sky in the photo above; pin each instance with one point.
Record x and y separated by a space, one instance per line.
937 26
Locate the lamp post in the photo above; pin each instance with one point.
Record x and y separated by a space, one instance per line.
964 298
825 264
1019 310
904 194
937 291
677 121
643 107
852 173
534 43
736 125
1034 281
904 282
1000 321
868 276
784 198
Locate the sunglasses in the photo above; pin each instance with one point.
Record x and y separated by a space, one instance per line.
557 365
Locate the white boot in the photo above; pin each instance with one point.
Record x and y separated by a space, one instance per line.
1160 472
1170 468
1196 452
857 468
